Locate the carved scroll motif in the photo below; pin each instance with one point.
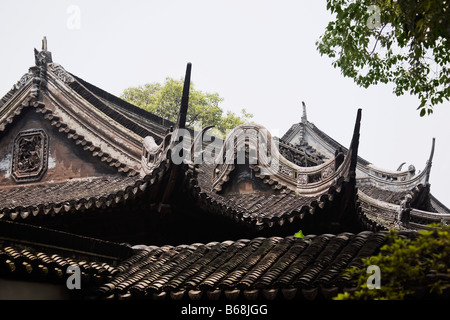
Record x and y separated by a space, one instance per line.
30 155
328 171
60 73
23 80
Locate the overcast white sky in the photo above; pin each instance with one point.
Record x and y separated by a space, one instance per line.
258 55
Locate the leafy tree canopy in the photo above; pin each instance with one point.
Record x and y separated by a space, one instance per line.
404 42
164 100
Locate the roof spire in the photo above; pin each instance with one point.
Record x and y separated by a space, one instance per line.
304 118
44 44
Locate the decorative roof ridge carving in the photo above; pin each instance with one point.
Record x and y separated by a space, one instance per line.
153 154
303 150
286 167
287 175
94 122
377 202
220 205
84 93
387 171
125 108
418 218
398 180
60 73
326 140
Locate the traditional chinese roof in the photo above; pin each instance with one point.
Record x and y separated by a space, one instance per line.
284 191
380 191
108 127
116 180
99 137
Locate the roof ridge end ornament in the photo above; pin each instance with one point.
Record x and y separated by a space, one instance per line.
44 56
304 117
400 166
430 161
41 59
181 122
354 145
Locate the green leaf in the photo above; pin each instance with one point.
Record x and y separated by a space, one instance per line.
299 234
422 112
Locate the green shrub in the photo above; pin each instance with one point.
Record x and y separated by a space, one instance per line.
408 266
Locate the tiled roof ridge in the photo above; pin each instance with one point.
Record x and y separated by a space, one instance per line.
122 103
23 81
29 100
442 207
110 112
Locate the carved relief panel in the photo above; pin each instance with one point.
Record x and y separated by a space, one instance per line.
30 155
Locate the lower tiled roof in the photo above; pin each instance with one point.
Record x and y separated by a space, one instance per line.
26 263
261 268
275 268
67 196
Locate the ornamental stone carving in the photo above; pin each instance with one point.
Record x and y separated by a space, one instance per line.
30 155
286 170
327 172
302 179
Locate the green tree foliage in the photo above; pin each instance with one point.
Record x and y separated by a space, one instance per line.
406 265
404 42
164 100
